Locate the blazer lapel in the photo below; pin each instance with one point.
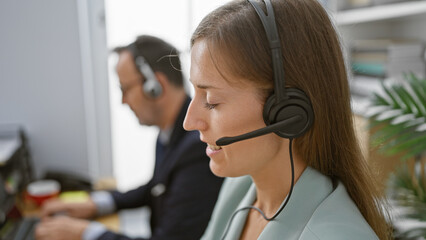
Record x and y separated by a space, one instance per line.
240 218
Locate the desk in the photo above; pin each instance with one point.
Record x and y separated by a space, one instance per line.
112 222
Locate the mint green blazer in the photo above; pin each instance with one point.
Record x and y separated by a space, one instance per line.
317 210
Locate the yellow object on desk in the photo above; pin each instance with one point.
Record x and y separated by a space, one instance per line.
112 221
74 196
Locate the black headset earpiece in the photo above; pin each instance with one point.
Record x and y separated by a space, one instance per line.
297 104
284 103
151 86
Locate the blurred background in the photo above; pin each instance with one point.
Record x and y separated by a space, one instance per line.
174 21
59 93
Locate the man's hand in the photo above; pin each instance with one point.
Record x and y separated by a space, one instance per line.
60 228
78 210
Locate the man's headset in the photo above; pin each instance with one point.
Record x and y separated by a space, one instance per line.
151 86
287 112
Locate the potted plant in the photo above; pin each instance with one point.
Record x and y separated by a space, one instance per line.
398 117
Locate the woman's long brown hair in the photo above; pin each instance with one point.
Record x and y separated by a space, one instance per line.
312 61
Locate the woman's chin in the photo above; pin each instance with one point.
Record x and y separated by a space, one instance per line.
217 169
223 170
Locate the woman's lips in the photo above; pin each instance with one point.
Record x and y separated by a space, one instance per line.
212 150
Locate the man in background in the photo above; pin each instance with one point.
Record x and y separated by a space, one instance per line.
183 191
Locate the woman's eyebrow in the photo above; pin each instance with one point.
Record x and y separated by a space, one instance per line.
203 86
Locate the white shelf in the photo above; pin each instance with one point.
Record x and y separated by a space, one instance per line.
383 12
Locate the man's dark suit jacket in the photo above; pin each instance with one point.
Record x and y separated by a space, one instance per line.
182 192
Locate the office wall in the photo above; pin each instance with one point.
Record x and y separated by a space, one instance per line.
41 83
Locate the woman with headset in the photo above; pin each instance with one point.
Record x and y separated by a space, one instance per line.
273 105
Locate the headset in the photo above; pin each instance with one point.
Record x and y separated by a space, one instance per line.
151 86
287 112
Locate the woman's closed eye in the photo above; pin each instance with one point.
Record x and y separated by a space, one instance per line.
210 106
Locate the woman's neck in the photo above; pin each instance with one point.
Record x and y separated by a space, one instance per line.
273 183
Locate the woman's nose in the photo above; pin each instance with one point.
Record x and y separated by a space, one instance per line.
193 119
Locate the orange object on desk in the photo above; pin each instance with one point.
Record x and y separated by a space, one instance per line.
42 190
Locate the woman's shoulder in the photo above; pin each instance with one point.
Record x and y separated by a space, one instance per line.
319 210
337 217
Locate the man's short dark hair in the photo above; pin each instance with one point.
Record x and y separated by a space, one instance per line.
161 56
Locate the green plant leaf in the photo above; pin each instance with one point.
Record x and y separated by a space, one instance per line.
419 88
405 136
410 101
390 131
415 151
399 117
397 92
410 144
394 103
379 100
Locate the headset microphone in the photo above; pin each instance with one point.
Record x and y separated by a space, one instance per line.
259 132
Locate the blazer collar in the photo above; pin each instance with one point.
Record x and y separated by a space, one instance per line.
237 224
178 130
290 223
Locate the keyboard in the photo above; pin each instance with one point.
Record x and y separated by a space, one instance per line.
25 229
